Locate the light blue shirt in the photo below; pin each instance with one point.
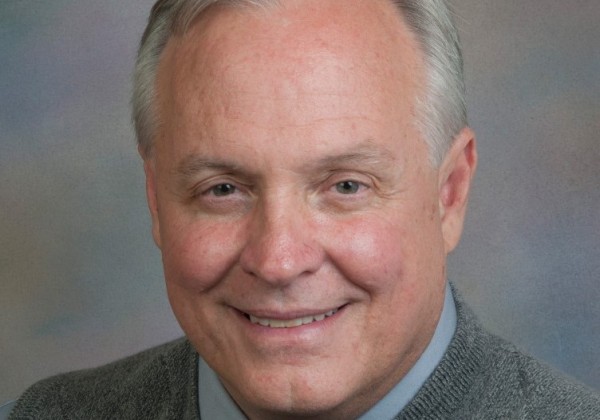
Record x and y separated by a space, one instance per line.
5 410
215 402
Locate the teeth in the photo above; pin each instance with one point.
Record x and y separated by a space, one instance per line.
290 323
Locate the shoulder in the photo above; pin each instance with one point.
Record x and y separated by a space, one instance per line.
508 383
485 377
127 388
532 389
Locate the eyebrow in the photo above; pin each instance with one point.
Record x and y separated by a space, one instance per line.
364 154
193 164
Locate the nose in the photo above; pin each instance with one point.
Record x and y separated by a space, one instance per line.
282 244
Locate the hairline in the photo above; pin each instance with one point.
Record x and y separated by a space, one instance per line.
147 118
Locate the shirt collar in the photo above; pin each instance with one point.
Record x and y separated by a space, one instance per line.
407 388
215 402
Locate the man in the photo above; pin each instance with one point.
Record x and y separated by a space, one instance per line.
308 164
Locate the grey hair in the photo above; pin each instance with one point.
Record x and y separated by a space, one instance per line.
441 108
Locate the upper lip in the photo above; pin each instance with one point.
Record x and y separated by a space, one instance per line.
289 314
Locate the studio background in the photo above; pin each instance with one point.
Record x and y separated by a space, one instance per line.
81 280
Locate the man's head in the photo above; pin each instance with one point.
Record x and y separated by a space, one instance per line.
303 227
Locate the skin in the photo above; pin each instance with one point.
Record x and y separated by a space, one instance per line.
288 179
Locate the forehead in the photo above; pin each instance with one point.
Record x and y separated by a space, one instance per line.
291 64
367 37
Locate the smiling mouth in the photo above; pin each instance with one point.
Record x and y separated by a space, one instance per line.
290 323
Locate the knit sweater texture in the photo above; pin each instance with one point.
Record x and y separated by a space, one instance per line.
480 377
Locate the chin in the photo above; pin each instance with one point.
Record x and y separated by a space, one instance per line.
300 394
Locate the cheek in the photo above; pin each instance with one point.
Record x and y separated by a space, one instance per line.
197 255
368 251
382 253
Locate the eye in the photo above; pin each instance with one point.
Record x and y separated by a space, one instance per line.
347 187
222 190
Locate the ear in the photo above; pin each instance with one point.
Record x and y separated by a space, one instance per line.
150 171
455 175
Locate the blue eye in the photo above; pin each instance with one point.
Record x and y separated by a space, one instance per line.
347 187
223 189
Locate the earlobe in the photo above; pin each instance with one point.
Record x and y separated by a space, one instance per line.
455 175
152 200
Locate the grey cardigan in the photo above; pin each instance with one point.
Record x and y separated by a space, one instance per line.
480 377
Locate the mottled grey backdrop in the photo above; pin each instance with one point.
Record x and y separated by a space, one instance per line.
81 282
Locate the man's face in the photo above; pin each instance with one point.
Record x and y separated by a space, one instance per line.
293 201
